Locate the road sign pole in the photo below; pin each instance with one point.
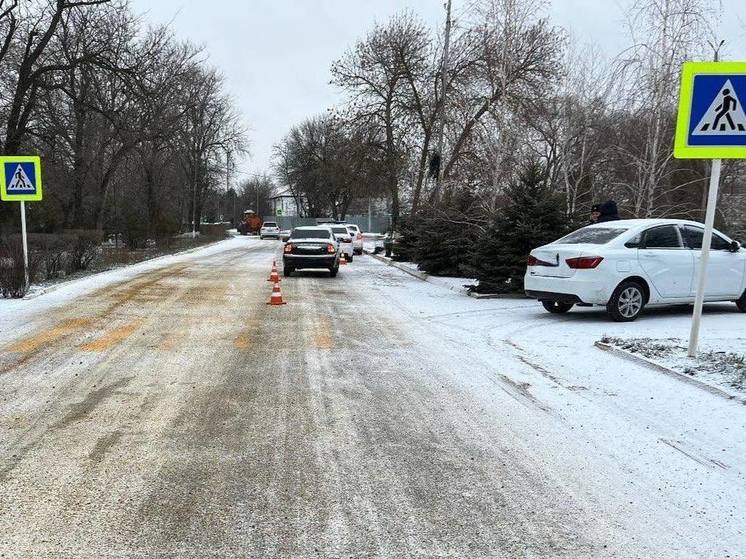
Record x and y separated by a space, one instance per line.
25 245
712 199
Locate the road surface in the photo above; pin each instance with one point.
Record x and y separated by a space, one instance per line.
173 413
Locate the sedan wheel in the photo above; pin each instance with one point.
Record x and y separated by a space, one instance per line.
627 302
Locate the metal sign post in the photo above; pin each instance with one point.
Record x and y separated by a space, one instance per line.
25 245
712 199
20 181
711 124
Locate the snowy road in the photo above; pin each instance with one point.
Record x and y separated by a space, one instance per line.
167 411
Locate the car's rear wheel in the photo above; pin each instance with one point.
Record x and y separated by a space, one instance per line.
287 272
333 272
626 302
556 307
741 302
349 258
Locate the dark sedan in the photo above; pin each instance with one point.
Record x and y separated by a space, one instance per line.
311 247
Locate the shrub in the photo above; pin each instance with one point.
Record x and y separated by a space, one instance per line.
446 234
51 251
12 277
405 245
85 248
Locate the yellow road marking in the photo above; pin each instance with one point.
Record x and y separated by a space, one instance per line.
322 337
112 338
62 329
242 342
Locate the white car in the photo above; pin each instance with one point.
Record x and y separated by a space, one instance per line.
628 264
269 229
357 237
344 239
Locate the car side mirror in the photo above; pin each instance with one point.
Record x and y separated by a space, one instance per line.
735 246
633 244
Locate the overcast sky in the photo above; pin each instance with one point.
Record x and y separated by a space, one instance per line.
275 54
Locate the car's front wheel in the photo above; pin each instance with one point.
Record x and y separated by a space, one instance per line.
626 302
333 272
741 302
287 271
556 307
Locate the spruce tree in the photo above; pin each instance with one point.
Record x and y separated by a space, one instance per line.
532 217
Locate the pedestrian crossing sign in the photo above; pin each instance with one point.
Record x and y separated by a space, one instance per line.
21 178
711 123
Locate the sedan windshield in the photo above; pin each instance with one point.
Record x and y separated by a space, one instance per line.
321 234
591 235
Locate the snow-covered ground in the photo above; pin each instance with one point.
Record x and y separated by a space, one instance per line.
590 455
720 362
652 458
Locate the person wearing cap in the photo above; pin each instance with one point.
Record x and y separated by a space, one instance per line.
595 213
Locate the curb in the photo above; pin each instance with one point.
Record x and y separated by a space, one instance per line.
645 362
497 295
419 275
424 276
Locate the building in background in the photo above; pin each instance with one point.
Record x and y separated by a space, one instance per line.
284 204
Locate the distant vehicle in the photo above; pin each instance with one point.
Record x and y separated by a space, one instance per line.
285 235
357 237
343 237
269 229
311 247
626 265
250 224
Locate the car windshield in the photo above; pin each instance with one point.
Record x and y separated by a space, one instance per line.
321 234
270 224
591 235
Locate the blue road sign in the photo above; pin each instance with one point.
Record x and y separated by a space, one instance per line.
712 122
20 178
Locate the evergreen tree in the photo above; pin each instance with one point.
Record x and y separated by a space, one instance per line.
532 217
444 236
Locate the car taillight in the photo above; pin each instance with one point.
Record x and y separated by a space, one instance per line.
288 248
584 262
359 236
331 249
532 260
347 240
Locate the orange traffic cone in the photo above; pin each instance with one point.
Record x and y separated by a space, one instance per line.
276 298
274 276
343 259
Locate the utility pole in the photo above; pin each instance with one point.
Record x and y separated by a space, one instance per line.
228 182
442 107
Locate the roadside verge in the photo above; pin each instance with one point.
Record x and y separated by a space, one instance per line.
652 365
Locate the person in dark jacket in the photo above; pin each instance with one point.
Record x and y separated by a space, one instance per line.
608 212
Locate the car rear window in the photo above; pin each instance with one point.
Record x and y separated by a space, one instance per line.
592 236
310 234
340 230
270 224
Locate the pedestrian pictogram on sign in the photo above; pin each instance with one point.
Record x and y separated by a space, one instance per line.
21 178
725 117
712 122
